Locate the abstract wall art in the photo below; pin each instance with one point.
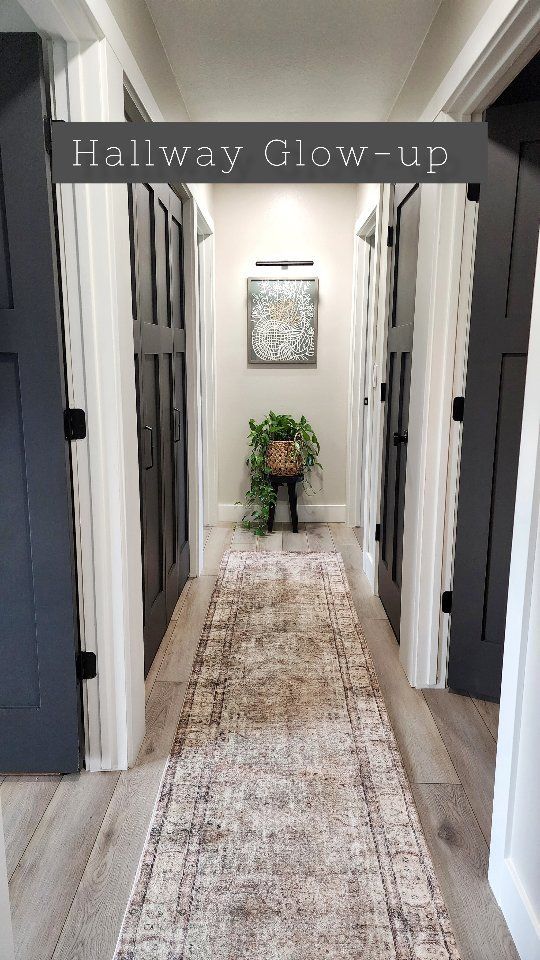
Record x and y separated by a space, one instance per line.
282 321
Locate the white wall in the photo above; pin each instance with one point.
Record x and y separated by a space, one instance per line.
368 196
455 22
14 18
138 28
267 222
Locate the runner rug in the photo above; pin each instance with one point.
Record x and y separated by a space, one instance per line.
285 827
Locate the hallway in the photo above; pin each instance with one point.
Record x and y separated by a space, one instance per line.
83 836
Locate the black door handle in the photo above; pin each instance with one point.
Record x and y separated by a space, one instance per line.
401 438
148 450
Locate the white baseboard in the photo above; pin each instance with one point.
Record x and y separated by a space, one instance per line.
307 512
518 910
368 565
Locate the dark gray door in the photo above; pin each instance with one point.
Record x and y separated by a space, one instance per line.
39 693
159 336
405 222
509 218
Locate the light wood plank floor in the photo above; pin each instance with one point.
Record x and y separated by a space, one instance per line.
73 843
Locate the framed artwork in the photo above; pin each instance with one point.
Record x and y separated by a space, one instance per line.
282 321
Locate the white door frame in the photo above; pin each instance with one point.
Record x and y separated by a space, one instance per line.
364 381
91 63
205 249
361 338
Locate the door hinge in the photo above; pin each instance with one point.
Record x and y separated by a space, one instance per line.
473 192
377 532
446 601
74 423
458 407
390 237
383 392
87 665
366 401
47 134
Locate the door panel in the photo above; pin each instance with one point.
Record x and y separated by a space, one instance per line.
406 218
157 282
40 710
508 222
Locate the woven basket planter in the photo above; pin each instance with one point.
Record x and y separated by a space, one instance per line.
282 459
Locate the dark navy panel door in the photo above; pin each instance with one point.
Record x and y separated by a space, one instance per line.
39 692
404 223
160 371
508 224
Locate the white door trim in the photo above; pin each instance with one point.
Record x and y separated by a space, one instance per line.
437 291
517 769
205 248
370 547
361 328
193 388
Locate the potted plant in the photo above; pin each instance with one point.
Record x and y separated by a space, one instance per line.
280 446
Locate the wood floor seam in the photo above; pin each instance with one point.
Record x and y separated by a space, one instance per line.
51 955
486 833
34 830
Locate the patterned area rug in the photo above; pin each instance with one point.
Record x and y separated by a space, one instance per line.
285 827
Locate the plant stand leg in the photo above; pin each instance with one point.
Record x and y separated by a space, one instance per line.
272 511
291 485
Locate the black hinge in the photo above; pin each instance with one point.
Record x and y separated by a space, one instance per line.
458 408
87 666
377 532
446 601
383 392
473 192
366 401
390 237
47 134
74 423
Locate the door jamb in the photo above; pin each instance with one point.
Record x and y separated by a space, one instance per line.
365 328
205 253
193 386
361 328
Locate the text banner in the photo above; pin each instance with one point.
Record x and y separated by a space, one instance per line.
269 152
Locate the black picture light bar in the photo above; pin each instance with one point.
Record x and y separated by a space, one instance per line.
284 263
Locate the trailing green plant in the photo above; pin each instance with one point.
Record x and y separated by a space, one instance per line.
261 496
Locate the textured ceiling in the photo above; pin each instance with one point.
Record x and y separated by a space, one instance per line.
291 59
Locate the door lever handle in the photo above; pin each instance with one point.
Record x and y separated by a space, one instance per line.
176 425
401 438
148 448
